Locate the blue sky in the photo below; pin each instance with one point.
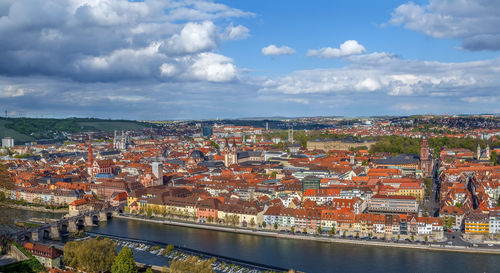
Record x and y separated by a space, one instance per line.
188 59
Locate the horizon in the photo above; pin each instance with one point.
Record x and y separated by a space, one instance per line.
192 60
270 118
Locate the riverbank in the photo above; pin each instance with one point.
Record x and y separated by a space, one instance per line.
33 208
158 249
432 247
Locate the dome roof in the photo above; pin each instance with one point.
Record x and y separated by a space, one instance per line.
197 154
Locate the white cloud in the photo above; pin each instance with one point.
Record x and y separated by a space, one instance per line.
235 32
212 67
203 10
474 22
11 91
168 70
367 84
275 50
483 99
349 47
409 107
392 76
193 38
297 100
111 40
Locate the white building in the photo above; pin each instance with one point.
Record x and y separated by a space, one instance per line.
7 142
494 221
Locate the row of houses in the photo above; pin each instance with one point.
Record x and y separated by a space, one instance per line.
36 195
345 220
184 203
482 223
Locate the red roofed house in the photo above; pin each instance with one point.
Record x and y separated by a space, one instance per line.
78 206
49 256
119 199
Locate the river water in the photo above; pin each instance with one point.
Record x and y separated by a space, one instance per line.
307 256
8 216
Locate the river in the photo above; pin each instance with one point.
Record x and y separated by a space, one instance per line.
8 216
307 256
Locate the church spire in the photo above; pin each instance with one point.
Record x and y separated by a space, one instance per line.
90 160
91 152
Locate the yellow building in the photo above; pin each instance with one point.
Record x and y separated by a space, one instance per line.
477 223
409 189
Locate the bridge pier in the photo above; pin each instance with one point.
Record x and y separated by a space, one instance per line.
72 227
35 235
103 216
54 233
88 221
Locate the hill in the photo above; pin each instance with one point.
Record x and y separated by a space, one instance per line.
29 129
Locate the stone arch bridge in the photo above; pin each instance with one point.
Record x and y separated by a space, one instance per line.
56 230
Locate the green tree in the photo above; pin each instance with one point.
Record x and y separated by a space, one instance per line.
264 224
124 262
275 225
191 264
92 255
448 222
2 196
426 239
252 222
169 248
292 229
149 270
412 238
318 230
494 158
332 231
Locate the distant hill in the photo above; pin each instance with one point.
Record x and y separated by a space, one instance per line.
29 129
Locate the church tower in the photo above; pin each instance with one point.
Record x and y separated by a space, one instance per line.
90 160
478 152
234 153
226 154
425 162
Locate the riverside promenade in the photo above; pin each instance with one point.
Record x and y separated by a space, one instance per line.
318 238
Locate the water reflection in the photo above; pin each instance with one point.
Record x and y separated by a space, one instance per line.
305 255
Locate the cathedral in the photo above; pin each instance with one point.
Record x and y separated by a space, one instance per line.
122 141
230 156
483 155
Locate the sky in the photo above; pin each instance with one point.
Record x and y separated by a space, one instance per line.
167 60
